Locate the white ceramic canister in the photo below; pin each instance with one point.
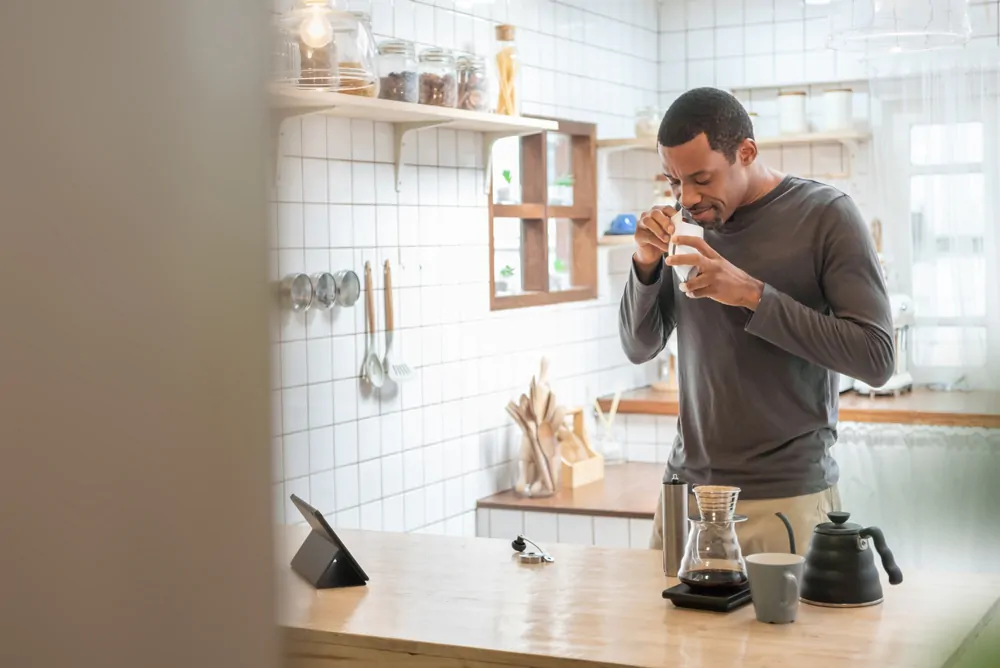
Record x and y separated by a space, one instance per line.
792 113
838 110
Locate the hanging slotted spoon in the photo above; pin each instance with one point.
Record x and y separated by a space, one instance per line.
398 370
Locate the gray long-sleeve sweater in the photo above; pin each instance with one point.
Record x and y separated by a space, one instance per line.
759 389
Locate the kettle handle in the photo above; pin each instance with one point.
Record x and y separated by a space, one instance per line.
888 561
791 532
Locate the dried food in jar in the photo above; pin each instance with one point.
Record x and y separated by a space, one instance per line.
399 86
356 85
438 89
473 89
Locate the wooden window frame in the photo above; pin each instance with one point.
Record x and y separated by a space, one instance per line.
535 212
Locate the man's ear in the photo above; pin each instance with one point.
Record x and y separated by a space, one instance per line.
747 152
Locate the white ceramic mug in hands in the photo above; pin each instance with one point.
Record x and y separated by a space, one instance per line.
683 229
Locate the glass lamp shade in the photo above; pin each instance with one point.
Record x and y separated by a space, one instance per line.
321 47
894 26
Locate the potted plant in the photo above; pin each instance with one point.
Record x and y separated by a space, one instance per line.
503 284
503 192
561 191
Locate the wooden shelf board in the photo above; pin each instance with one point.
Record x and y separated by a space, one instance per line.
390 111
919 407
649 144
528 299
813 138
627 144
616 240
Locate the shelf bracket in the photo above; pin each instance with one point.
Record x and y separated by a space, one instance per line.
489 139
278 116
401 130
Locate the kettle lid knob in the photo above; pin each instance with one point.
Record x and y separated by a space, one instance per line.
838 517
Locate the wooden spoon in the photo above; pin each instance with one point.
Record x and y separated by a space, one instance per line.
531 431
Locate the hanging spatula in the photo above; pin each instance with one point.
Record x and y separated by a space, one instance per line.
398 370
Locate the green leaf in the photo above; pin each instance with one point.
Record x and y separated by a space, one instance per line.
506 175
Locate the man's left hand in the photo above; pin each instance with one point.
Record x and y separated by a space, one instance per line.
716 277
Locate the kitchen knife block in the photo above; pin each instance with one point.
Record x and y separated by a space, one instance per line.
583 471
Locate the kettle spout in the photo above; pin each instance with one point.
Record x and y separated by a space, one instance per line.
791 532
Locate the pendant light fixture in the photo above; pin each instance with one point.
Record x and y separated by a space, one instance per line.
323 47
895 26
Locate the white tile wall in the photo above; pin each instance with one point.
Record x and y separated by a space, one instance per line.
418 457
757 47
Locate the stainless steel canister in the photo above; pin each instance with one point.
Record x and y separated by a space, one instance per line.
674 516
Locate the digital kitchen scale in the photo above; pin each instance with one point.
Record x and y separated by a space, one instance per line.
725 600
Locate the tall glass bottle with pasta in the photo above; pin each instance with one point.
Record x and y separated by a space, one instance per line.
508 72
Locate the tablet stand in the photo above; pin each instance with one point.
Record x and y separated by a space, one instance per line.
321 564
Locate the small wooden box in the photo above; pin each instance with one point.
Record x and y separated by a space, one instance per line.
583 471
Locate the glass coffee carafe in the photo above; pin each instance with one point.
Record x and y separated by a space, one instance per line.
712 558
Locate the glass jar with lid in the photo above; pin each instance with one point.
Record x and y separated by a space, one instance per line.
356 59
473 83
397 71
438 83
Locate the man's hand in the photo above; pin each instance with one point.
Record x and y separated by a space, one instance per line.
652 235
716 277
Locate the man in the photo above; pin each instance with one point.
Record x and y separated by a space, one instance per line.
785 292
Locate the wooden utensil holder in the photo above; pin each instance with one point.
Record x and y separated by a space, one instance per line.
588 469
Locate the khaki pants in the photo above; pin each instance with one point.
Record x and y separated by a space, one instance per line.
763 531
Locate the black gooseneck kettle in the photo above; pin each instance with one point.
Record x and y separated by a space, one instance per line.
840 569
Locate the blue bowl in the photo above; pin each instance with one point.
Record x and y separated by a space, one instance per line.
624 223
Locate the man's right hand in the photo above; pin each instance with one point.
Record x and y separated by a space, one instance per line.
652 234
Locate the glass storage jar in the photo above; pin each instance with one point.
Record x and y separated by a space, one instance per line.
438 83
473 83
508 69
356 60
397 71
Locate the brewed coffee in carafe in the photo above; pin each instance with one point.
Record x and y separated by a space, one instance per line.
712 558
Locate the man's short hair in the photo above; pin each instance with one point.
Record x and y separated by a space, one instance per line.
715 112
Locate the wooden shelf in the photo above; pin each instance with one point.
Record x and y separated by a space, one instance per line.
843 138
626 144
289 102
918 407
616 240
649 143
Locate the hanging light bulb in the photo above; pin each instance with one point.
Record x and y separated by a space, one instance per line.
320 46
316 30
895 26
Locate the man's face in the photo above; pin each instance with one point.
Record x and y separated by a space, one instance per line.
704 181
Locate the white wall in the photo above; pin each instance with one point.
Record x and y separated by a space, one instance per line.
417 459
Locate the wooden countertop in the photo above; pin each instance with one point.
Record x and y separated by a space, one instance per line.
627 490
465 602
921 406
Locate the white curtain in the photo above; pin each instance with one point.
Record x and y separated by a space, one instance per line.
936 176
933 490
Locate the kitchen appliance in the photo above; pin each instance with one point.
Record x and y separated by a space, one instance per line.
840 569
901 380
712 572
712 557
674 520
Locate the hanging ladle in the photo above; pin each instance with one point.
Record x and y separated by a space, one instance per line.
372 367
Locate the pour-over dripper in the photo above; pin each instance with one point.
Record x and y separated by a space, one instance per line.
712 557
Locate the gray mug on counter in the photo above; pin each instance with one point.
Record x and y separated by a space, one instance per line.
775 580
